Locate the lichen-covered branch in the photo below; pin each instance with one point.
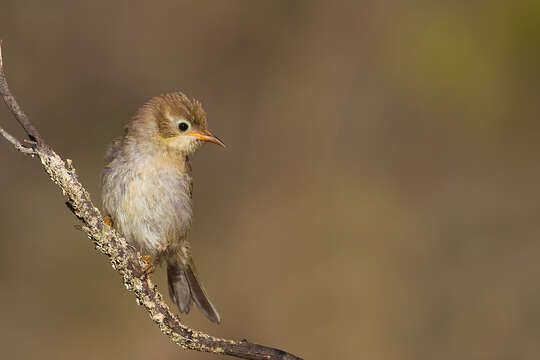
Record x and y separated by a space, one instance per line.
124 258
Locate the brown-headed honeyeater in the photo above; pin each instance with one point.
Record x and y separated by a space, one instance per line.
147 187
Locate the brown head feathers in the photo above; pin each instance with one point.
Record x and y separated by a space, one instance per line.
166 111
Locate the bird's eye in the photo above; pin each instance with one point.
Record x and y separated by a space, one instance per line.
183 125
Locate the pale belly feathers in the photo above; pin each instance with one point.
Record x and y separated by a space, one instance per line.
149 204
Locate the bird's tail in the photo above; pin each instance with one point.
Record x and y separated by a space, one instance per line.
185 287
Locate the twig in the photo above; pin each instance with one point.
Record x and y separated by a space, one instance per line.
124 258
16 143
14 107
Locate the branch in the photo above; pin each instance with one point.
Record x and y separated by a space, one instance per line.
14 107
124 258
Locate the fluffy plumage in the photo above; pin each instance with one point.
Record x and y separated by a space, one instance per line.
147 186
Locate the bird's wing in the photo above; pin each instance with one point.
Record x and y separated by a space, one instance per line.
112 151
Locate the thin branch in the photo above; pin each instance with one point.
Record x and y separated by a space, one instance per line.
124 258
16 143
14 107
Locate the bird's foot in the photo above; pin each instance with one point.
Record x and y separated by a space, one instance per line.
108 221
149 267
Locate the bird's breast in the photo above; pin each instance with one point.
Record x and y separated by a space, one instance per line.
149 202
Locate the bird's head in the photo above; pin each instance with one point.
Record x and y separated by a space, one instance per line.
175 120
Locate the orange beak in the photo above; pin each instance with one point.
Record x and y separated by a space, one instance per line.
207 136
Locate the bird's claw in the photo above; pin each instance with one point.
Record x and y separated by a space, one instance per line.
108 221
149 267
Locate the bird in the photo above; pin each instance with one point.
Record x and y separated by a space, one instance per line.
147 190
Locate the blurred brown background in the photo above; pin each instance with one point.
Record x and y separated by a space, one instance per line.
378 198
